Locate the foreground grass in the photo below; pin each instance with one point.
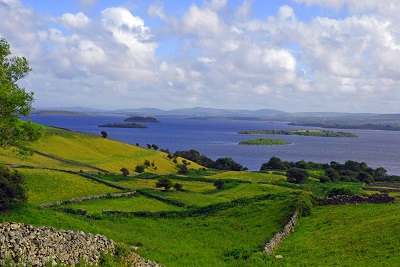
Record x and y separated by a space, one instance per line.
226 238
345 235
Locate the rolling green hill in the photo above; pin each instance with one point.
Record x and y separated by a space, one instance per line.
198 225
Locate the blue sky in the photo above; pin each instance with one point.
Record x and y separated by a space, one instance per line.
298 55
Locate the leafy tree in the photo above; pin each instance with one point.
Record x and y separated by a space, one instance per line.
296 175
14 101
365 178
154 146
146 163
332 174
227 164
178 187
104 134
182 169
139 168
274 163
12 192
125 171
164 182
219 184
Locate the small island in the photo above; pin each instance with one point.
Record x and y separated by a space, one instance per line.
264 142
141 119
321 133
123 125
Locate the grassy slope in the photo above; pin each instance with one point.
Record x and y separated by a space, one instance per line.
346 235
89 149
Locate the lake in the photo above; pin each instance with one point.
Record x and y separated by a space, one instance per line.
220 138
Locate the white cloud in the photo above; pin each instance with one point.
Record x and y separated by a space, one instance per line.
78 20
202 22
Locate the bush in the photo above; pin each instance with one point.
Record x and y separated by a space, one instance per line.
219 184
303 204
177 187
296 175
164 182
182 169
125 171
139 168
339 192
12 192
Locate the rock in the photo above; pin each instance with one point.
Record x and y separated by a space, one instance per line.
278 257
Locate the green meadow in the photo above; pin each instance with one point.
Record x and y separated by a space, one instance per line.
197 225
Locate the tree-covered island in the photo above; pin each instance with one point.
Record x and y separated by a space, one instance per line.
123 125
141 119
322 133
263 142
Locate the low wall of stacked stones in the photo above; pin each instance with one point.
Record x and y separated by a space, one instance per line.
356 199
81 199
28 245
277 239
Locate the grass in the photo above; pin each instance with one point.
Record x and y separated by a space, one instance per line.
225 228
135 203
347 235
46 186
227 238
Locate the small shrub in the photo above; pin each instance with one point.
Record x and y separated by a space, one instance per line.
219 184
139 168
339 192
125 171
178 187
296 175
164 182
303 204
12 192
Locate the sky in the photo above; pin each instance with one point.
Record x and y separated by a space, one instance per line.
290 55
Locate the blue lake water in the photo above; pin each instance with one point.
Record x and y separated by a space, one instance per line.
220 138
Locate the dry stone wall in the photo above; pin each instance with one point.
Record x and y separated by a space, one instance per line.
277 239
28 245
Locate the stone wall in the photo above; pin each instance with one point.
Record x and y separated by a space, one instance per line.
81 199
274 242
26 244
356 199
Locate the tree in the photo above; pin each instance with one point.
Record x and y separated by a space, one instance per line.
104 134
178 187
296 175
146 163
12 192
125 171
139 168
154 146
219 184
274 163
164 182
14 101
182 169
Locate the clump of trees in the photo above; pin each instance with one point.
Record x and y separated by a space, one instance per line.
164 182
350 171
296 175
219 164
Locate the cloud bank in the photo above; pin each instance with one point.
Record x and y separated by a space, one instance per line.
212 54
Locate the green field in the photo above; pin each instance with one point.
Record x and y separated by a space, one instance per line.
199 225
